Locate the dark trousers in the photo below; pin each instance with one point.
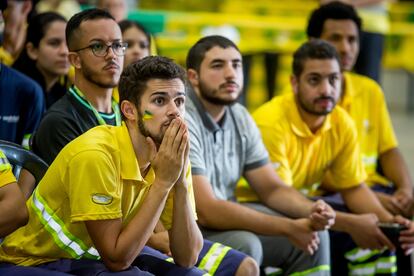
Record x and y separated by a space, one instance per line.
148 262
342 242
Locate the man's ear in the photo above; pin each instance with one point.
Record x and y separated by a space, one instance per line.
74 60
129 110
32 51
193 77
294 82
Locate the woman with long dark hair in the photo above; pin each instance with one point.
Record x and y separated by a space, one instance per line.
138 39
45 55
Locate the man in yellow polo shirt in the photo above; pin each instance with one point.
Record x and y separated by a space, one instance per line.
12 208
363 99
99 202
306 136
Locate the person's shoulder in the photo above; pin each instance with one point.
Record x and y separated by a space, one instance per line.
16 77
62 109
19 81
192 113
98 139
60 120
341 119
363 82
240 114
273 111
239 108
190 106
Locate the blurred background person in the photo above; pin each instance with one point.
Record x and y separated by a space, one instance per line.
45 55
15 14
140 45
138 39
372 38
21 103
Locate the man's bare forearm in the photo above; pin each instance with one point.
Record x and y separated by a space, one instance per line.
396 170
186 240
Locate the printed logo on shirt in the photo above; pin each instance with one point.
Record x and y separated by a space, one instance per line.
10 118
367 125
102 199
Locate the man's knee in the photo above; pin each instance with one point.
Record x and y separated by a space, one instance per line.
248 267
249 244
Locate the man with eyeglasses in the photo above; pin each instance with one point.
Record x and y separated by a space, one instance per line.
96 51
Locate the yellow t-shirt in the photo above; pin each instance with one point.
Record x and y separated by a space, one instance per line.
94 177
364 100
301 157
6 173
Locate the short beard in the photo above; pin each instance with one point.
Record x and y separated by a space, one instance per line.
89 75
145 132
312 111
209 97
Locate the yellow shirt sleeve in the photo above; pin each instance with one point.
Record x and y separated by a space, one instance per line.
6 177
94 189
276 144
6 173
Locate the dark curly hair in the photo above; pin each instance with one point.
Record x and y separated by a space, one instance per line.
334 10
135 76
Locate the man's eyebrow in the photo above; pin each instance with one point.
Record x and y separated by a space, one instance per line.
159 93
317 74
162 93
219 60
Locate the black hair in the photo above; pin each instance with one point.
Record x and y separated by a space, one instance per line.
196 54
135 76
335 10
76 20
36 30
127 24
313 49
39 24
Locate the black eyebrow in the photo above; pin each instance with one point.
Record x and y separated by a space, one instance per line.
222 60
161 93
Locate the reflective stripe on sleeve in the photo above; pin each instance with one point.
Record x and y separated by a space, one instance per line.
61 235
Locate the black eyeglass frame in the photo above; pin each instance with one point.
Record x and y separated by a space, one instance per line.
124 46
